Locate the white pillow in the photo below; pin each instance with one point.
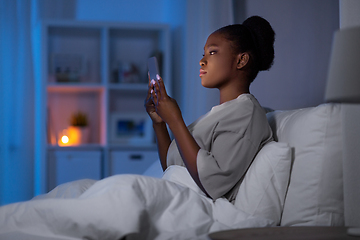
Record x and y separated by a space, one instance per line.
315 194
262 192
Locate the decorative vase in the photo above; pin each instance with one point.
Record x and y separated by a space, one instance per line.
78 135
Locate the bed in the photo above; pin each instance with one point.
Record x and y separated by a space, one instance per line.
295 180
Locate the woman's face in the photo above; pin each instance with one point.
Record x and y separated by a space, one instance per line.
218 65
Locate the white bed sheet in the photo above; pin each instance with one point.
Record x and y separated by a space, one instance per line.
131 206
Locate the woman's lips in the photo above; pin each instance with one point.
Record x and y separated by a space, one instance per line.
202 72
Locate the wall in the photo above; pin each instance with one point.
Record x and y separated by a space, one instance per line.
16 101
304 30
349 13
350 17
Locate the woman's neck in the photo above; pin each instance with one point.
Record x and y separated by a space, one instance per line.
232 93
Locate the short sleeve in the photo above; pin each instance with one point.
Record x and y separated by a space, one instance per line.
230 157
232 145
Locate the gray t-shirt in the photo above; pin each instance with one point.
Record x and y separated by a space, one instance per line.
229 136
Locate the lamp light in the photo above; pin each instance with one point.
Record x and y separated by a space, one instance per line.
64 139
343 83
343 86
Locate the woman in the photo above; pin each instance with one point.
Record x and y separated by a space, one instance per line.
218 148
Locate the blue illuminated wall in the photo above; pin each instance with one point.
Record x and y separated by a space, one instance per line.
16 102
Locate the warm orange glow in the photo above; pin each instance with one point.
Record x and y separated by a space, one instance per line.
65 139
72 136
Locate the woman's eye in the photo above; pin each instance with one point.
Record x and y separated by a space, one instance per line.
210 53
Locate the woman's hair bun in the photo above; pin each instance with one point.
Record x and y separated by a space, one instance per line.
264 37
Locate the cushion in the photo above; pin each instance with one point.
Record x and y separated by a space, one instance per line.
315 194
262 192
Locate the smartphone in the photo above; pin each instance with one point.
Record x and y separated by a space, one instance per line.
153 68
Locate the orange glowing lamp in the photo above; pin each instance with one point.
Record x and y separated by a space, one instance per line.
72 136
64 139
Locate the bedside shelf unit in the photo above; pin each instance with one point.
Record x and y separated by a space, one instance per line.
100 69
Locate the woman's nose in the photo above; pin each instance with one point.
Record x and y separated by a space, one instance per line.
202 62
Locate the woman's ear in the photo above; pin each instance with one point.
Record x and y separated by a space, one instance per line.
242 60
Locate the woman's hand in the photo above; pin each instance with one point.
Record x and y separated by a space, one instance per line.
165 106
162 135
150 106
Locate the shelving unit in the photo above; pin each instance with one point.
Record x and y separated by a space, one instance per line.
99 68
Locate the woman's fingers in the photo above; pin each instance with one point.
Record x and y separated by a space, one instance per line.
161 86
150 87
157 90
154 96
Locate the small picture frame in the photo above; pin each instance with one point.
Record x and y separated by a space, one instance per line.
131 129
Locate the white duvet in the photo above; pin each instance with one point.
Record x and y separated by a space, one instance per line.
124 207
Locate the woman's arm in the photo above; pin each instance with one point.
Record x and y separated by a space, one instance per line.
169 111
162 135
188 149
163 142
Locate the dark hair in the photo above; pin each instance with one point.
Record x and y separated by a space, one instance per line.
255 36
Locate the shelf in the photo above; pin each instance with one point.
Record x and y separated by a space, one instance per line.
75 49
130 50
111 147
79 147
64 101
75 87
129 86
100 69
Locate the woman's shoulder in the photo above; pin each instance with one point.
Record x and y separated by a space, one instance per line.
231 113
248 98
236 115
244 104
